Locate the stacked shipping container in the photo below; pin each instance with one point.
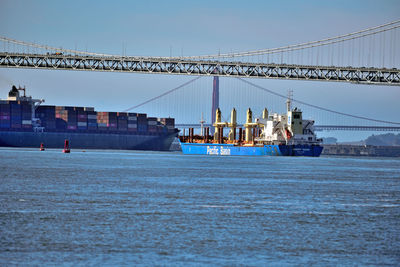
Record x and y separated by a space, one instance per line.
169 123
26 115
122 121
47 116
4 114
82 118
18 115
142 123
15 115
69 115
152 125
91 118
107 121
132 122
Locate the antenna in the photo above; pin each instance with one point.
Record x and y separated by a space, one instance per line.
22 89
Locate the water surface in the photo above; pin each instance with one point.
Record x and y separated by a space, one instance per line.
160 208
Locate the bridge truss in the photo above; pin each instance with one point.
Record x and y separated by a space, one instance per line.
58 61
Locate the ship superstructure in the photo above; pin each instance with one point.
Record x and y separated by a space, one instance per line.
289 128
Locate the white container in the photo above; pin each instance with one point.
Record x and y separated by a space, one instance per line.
132 125
132 118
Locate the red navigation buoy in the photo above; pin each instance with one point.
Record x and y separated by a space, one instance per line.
41 147
66 147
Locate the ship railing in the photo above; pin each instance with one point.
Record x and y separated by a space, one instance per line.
304 143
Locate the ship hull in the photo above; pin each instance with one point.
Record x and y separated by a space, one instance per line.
264 150
87 140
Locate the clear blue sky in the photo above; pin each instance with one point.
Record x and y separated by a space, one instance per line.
190 28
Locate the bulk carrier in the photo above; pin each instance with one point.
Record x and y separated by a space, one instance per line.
275 135
26 122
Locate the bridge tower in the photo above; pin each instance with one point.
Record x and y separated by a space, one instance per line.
215 98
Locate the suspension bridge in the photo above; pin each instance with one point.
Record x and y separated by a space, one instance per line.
368 56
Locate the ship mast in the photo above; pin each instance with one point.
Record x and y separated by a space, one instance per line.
202 121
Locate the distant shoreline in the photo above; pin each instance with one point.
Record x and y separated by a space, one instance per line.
361 150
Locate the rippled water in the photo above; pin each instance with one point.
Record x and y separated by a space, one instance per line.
124 208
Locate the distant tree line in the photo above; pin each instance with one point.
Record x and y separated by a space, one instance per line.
383 140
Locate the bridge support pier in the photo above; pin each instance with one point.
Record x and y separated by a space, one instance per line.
215 99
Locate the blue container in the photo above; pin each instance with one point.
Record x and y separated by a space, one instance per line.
142 128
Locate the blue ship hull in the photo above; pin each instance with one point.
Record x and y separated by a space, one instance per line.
263 150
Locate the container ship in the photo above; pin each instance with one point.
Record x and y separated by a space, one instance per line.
26 122
274 135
